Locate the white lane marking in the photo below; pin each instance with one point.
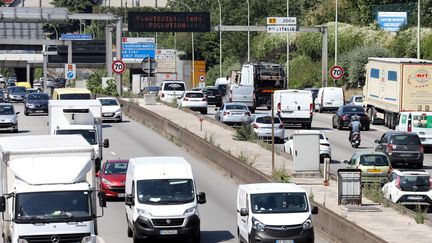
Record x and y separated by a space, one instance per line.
112 153
100 239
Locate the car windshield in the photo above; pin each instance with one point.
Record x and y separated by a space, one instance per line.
174 86
89 135
53 206
414 183
37 97
353 109
165 191
6 110
373 160
265 203
194 95
236 107
406 140
358 99
267 120
109 102
114 168
17 89
75 96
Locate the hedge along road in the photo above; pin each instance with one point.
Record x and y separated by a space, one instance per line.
131 139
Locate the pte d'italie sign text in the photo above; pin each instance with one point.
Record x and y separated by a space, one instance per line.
169 21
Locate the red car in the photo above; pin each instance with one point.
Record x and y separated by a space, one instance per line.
112 177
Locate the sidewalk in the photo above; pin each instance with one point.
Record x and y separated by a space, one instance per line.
386 223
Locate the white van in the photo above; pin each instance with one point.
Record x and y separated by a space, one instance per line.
161 199
170 91
242 94
294 106
418 122
329 98
274 212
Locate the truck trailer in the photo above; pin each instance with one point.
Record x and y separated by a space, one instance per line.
395 85
48 189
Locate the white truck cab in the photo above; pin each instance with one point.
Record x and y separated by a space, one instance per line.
274 212
161 199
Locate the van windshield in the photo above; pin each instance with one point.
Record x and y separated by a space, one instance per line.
75 97
89 135
295 202
165 191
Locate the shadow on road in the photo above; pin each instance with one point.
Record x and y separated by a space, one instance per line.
216 236
333 161
106 126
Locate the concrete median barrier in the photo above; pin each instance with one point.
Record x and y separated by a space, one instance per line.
332 224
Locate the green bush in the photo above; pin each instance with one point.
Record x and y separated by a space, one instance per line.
245 133
299 78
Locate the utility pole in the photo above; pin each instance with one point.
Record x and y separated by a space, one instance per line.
418 29
272 123
336 34
288 51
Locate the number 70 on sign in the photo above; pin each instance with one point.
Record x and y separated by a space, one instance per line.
118 67
337 72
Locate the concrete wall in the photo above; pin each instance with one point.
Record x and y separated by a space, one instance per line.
339 228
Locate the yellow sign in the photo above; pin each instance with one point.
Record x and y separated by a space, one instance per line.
200 73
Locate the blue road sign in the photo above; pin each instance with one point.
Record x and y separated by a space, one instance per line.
138 48
391 21
76 37
70 75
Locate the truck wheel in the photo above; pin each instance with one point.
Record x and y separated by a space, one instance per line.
129 232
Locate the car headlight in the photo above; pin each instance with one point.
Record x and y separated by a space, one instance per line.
88 239
105 181
118 110
30 105
190 211
144 212
256 224
307 224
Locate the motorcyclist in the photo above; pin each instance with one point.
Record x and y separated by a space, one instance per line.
354 126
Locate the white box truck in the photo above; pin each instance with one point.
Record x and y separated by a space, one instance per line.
294 107
48 189
394 85
79 117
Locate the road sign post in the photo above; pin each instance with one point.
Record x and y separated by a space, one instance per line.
337 72
118 67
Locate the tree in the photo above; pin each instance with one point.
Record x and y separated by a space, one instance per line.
2 3
74 6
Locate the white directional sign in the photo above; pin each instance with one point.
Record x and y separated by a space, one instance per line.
281 28
70 71
281 20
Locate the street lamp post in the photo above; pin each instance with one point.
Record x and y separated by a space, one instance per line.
248 32
193 47
336 34
220 38
418 29
288 51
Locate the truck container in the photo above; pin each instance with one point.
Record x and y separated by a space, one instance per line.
394 85
82 117
48 189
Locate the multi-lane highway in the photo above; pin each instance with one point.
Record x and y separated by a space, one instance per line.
131 139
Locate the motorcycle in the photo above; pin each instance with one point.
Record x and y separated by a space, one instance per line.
355 139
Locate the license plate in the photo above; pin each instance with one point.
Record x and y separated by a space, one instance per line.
405 155
168 232
284 241
121 195
237 114
39 111
415 197
329 103
108 114
210 96
374 171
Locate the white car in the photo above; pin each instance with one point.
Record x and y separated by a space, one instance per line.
325 148
262 125
194 100
409 187
356 100
111 109
170 91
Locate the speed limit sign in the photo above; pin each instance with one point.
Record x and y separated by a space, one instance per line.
336 72
118 67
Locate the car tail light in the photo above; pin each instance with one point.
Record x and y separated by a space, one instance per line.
279 106
185 99
311 107
248 113
204 99
281 126
430 183
389 148
255 126
397 182
421 149
345 117
226 113
409 127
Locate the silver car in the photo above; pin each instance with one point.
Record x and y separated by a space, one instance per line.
17 93
8 117
262 125
233 113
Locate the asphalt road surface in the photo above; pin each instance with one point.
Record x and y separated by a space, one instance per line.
131 139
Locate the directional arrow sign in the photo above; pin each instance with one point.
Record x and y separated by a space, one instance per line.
281 29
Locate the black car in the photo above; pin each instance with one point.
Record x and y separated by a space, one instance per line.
213 95
402 147
59 83
36 103
342 118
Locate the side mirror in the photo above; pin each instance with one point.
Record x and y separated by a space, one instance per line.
377 141
2 204
102 199
201 198
106 143
345 162
244 212
314 210
17 112
129 200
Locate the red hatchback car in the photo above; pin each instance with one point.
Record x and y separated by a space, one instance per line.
112 177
